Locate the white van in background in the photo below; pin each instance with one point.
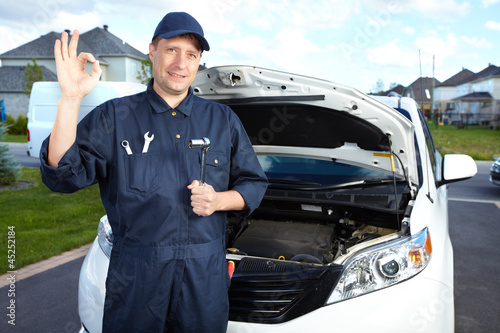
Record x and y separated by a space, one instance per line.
43 106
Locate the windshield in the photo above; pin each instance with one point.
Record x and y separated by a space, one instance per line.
315 171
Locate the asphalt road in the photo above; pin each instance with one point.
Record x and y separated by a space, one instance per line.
47 302
20 152
474 214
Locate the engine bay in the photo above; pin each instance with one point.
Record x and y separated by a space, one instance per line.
301 240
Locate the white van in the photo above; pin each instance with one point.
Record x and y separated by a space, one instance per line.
43 106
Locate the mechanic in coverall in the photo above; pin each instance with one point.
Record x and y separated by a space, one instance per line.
167 270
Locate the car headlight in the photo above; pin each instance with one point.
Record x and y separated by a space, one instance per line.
105 236
383 265
495 166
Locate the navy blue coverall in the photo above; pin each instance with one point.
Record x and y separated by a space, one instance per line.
167 266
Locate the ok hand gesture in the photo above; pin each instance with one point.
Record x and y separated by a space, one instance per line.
74 81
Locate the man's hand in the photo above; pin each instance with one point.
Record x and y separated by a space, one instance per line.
74 81
205 200
75 84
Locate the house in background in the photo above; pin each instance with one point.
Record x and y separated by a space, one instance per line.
394 90
446 91
12 91
478 99
119 62
421 91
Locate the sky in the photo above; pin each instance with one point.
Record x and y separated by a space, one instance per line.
350 42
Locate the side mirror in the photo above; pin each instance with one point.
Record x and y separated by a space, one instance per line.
457 167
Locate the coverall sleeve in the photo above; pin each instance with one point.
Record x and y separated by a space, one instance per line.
85 163
247 176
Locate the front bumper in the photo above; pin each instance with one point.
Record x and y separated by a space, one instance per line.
495 178
417 305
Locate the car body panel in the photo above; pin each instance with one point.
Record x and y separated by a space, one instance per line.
91 294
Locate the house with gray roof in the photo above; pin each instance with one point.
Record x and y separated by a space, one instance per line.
446 91
478 98
421 91
16 102
119 62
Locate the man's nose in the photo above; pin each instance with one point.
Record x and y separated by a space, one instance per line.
180 60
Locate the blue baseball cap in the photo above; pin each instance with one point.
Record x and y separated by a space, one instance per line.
178 23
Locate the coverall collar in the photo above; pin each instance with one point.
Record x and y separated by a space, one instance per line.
159 105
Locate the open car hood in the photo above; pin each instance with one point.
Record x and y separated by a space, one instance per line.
294 115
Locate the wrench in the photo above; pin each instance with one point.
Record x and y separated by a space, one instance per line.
126 145
204 144
147 140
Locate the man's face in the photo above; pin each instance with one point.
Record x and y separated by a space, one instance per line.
175 64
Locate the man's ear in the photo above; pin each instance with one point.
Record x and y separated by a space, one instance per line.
152 49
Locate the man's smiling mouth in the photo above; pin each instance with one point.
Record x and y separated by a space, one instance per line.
177 75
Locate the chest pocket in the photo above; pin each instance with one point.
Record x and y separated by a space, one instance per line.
217 171
143 173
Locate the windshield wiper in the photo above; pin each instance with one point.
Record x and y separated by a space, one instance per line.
318 187
276 182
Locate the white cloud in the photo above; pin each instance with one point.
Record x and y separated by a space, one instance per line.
409 30
444 10
290 50
492 25
468 56
286 50
487 3
10 40
395 53
392 53
478 43
442 48
83 22
443 28
247 47
287 14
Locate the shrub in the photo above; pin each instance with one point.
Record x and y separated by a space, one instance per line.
18 126
10 171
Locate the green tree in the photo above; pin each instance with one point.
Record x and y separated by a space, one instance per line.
10 171
146 71
379 87
32 74
393 85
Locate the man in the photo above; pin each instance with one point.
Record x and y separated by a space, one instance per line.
167 268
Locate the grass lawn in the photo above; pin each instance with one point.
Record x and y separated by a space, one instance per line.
15 138
47 223
475 141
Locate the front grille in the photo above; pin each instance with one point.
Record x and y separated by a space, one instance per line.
273 291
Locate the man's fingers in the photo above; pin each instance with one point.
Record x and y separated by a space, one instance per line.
194 184
57 50
64 46
96 71
73 44
85 56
